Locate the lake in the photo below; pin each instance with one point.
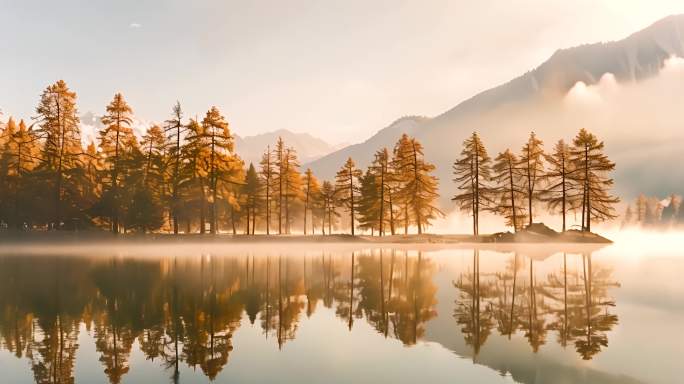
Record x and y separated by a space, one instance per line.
321 313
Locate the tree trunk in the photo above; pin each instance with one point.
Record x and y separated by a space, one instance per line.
306 201
381 229
351 194
202 208
510 177
419 221
253 220
58 183
564 193
391 209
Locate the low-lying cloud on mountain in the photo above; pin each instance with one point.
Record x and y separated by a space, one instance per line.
627 92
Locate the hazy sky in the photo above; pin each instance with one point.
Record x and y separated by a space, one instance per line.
340 70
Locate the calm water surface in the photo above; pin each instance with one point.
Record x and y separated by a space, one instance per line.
334 315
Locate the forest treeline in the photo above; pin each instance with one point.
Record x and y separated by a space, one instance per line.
184 311
653 212
184 176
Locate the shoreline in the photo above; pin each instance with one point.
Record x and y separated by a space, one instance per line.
89 237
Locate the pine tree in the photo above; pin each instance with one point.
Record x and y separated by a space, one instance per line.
154 176
311 190
473 173
418 189
368 203
558 194
347 189
532 166
267 177
510 195
134 214
328 195
382 173
252 191
113 138
590 172
175 130
58 126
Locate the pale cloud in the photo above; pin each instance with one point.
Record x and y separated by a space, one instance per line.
339 70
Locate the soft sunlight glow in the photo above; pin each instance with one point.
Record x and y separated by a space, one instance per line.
642 243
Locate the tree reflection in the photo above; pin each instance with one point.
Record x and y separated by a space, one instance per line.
186 310
591 330
575 305
476 320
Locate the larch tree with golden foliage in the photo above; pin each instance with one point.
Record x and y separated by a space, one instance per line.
510 195
175 130
591 168
280 164
113 139
194 176
291 184
532 166
558 194
58 126
19 156
399 163
224 165
268 174
419 187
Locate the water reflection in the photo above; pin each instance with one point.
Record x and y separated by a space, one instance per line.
185 310
575 305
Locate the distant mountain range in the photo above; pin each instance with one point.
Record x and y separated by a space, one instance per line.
308 147
250 148
538 100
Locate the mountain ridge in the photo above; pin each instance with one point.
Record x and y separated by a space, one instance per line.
635 58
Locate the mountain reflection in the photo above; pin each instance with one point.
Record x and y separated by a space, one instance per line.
185 310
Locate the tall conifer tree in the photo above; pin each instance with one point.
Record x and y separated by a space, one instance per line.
532 167
472 174
347 189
